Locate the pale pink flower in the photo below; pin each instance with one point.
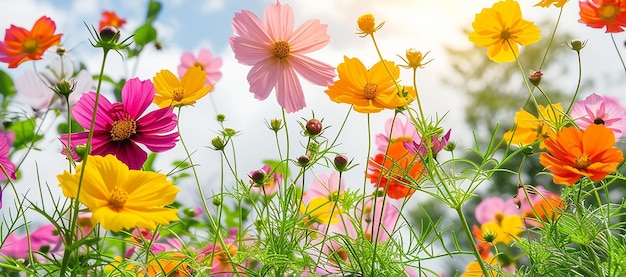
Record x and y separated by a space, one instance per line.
379 218
494 209
205 61
36 88
276 53
398 130
596 109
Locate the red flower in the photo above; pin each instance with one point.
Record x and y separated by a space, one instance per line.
604 13
396 171
110 18
21 45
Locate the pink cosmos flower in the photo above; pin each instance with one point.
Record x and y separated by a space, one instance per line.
494 209
596 109
44 239
120 127
6 140
36 88
398 130
276 53
378 219
205 61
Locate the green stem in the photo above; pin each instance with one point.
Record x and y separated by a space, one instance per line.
470 238
69 249
618 53
580 75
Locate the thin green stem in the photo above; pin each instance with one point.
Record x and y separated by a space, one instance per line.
69 249
618 53
470 238
580 76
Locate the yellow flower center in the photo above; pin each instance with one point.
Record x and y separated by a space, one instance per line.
201 66
608 12
178 94
582 161
367 23
30 46
123 129
499 216
118 198
370 91
281 49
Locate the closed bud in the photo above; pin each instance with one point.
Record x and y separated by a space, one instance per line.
303 160
81 151
314 127
221 117
341 162
535 77
218 143
65 88
258 177
276 124
450 146
110 33
489 236
217 201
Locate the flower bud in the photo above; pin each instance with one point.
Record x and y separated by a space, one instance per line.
489 236
450 146
218 143
577 44
314 127
65 88
229 132
258 177
276 124
189 212
81 151
110 33
303 160
217 200
341 162
535 77
61 51
221 117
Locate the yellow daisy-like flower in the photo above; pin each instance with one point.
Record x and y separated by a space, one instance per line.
170 91
501 28
121 198
529 128
370 91
505 229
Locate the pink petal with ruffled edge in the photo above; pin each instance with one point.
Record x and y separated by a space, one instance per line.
83 112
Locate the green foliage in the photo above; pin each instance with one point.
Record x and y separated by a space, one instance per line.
24 131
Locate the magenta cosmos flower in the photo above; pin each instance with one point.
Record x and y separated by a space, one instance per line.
6 140
205 61
276 53
121 126
596 109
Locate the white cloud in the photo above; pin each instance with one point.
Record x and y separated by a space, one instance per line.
212 6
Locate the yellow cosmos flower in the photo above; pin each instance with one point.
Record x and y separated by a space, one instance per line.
529 128
170 91
501 28
504 230
322 210
120 198
370 91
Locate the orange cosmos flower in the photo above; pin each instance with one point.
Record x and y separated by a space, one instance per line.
573 154
396 170
110 18
21 45
604 13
